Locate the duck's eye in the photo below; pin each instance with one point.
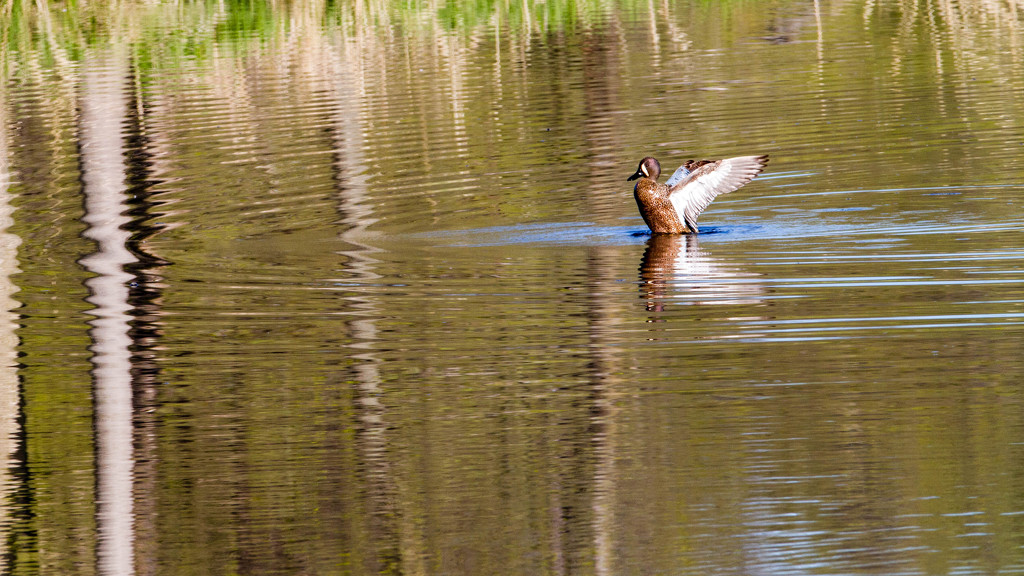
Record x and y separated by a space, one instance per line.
643 168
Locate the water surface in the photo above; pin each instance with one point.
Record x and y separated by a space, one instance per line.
362 289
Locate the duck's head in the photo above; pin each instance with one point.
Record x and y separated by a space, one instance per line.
648 168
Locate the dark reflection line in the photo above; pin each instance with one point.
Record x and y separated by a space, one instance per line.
102 155
19 521
145 296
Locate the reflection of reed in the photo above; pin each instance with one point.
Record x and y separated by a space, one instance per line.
960 29
387 553
103 105
454 31
9 385
605 432
674 268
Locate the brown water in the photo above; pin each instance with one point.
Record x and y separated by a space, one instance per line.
362 289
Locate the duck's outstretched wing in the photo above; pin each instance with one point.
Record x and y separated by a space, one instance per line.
683 171
695 190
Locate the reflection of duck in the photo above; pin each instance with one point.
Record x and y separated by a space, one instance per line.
674 267
673 207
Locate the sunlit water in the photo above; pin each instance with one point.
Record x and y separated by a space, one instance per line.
363 290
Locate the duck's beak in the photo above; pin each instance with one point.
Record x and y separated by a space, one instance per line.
638 174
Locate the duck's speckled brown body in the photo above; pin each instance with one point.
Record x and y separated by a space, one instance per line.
673 207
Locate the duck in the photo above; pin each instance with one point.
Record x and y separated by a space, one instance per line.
673 207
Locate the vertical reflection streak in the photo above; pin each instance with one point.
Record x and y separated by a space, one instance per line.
820 47
603 53
9 388
607 387
103 105
386 554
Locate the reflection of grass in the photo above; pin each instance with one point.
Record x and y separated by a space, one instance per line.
462 16
52 32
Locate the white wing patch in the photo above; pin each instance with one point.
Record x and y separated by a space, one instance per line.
695 191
